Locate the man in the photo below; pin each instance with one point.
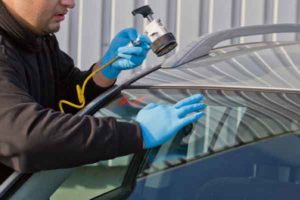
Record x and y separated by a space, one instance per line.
35 74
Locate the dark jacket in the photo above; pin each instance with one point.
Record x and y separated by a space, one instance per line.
34 75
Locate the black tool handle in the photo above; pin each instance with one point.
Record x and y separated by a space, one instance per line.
144 10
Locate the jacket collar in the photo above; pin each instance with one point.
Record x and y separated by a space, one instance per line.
22 36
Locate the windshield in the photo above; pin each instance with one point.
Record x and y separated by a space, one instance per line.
261 65
233 118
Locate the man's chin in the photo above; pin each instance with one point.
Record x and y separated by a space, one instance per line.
53 29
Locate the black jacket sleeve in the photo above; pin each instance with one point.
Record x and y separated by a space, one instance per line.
34 138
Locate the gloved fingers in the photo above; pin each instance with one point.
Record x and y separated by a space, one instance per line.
183 111
132 58
131 51
141 49
128 33
144 40
137 60
150 106
191 119
124 37
123 64
190 100
144 43
146 47
129 61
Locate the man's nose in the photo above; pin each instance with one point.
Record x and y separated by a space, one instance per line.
68 3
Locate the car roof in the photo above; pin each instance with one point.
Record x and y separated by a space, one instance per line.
265 65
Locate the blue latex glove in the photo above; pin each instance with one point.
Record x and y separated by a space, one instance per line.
131 56
159 123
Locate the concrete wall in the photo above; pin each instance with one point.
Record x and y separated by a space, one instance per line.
88 29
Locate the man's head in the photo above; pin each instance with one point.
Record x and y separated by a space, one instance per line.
40 16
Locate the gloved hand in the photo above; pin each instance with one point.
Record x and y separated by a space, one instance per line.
159 123
131 56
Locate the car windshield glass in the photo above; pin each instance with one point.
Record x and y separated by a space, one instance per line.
233 118
262 65
89 181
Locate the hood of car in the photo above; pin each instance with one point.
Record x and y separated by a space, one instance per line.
272 65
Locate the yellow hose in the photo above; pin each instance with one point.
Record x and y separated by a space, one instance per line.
80 90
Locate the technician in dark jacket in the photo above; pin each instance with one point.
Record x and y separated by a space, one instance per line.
35 74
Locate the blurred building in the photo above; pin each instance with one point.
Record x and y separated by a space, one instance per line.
87 31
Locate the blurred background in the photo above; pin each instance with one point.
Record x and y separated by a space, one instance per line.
90 26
